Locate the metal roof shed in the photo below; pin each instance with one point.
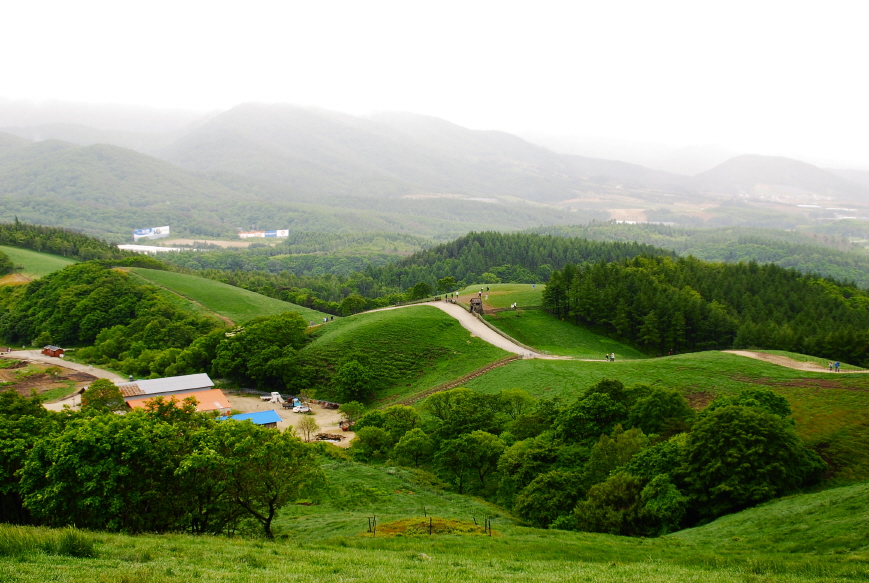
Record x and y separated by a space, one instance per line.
268 418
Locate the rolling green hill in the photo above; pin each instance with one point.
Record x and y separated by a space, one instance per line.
35 264
407 350
236 304
822 539
834 521
550 335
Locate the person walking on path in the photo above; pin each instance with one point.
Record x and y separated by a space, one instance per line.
831 366
836 365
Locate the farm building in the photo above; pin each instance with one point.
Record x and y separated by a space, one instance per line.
200 386
167 386
268 418
212 400
52 350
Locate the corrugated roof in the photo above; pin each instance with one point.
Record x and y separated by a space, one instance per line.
130 390
171 384
212 400
258 417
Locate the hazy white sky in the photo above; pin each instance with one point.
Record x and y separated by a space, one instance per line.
766 76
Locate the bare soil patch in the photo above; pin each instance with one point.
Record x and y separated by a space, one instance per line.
632 215
327 419
14 279
239 243
699 400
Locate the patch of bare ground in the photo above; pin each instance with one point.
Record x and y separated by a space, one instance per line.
14 279
328 419
699 400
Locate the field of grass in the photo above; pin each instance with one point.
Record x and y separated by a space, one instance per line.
235 303
807 358
503 295
329 541
831 412
834 521
411 349
547 333
35 264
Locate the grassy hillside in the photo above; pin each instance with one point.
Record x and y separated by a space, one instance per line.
329 541
35 264
831 411
239 305
409 350
503 295
834 521
547 333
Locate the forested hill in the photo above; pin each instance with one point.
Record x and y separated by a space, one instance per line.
831 256
511 257
687 304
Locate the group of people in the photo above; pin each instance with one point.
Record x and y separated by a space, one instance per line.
611 357
834 365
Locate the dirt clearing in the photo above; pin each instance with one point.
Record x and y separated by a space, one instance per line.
327 419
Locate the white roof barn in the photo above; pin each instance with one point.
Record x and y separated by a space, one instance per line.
167 386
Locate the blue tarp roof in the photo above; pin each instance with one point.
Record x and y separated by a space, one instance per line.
258 418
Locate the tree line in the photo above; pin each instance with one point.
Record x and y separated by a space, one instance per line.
166 468
633 461
58 241
487 257
664 304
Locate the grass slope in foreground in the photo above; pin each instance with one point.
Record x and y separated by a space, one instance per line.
834 521
831 411
408 349
328 542
235 303
35 264
547 333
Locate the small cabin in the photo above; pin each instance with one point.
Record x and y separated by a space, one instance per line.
52 350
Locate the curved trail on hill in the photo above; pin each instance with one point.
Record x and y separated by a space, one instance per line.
790 362
470 323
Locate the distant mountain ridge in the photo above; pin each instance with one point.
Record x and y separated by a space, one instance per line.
315 169
742 173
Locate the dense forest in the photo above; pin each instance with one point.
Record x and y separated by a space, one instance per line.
664 304
623 460
59 242
822 251
477 257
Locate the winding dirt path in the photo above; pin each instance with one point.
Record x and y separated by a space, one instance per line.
470 323
789 362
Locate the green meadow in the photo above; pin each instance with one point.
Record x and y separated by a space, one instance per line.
409 349
234 303
801 539
35 264
545 332
503 295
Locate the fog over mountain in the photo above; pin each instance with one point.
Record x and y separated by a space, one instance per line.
222 171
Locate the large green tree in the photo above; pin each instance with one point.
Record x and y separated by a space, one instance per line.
738 456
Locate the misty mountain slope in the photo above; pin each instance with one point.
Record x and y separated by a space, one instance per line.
390 155
743 173
109 191
103 174
146 143
561 172
858 176
10 142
